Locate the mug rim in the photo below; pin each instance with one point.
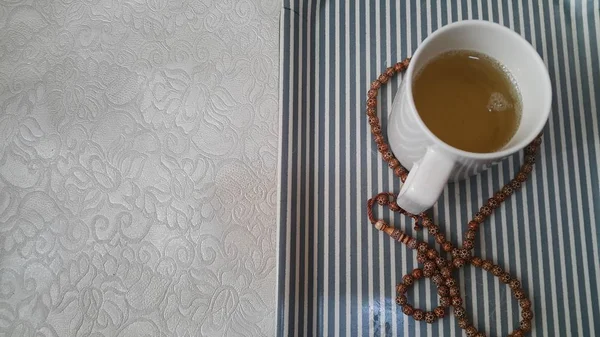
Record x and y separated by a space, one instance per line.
545 79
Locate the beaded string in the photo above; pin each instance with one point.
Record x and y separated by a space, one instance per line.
437 268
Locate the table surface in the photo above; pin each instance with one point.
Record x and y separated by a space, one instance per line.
138 163
337 274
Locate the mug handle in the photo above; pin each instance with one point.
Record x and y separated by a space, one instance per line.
426 180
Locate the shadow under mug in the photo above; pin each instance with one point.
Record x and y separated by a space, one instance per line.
432 162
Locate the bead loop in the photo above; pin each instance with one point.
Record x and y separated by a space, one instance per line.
435 266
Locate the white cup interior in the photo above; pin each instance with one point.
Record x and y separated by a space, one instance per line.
511 50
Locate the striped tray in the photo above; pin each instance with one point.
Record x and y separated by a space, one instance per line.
336 273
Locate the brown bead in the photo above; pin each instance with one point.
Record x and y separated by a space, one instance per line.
471 331
485 210
398 67
429 265
471 234
408 280
517 333
464 254
373 120
440 312
371 112
445 301
432 254
423 247
383 147
440 261
480 334
507 190
394 206
497 271
530 158
388 156
500 196
394 163
454 291
376 85
433 229
371 103
450 282
412 244
521 177
527 168
473 225
376 129
515 284
492 203
401 289
401 300
390 71
458 263
463 323
446 272
428 273
469 244
407 310
527 314
417 274
440 238
427 221
421 257
479 218
487 265
459 312
447 246
443 291
430 317
519 294
372 93
505 278
383 199
382 225
456 301
530 149
418 315
477 262
437 279
525 326
515 184
383 78
398 171
379 139
525 303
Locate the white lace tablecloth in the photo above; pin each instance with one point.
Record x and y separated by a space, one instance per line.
138 151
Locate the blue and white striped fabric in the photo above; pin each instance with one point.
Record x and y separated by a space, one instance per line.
336 273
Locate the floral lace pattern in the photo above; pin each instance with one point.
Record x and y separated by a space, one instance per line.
138 154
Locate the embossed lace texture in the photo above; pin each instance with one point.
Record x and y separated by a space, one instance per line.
138 149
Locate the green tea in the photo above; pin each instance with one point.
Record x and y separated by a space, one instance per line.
468 100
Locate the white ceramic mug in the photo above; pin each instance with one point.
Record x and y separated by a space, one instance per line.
432 162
